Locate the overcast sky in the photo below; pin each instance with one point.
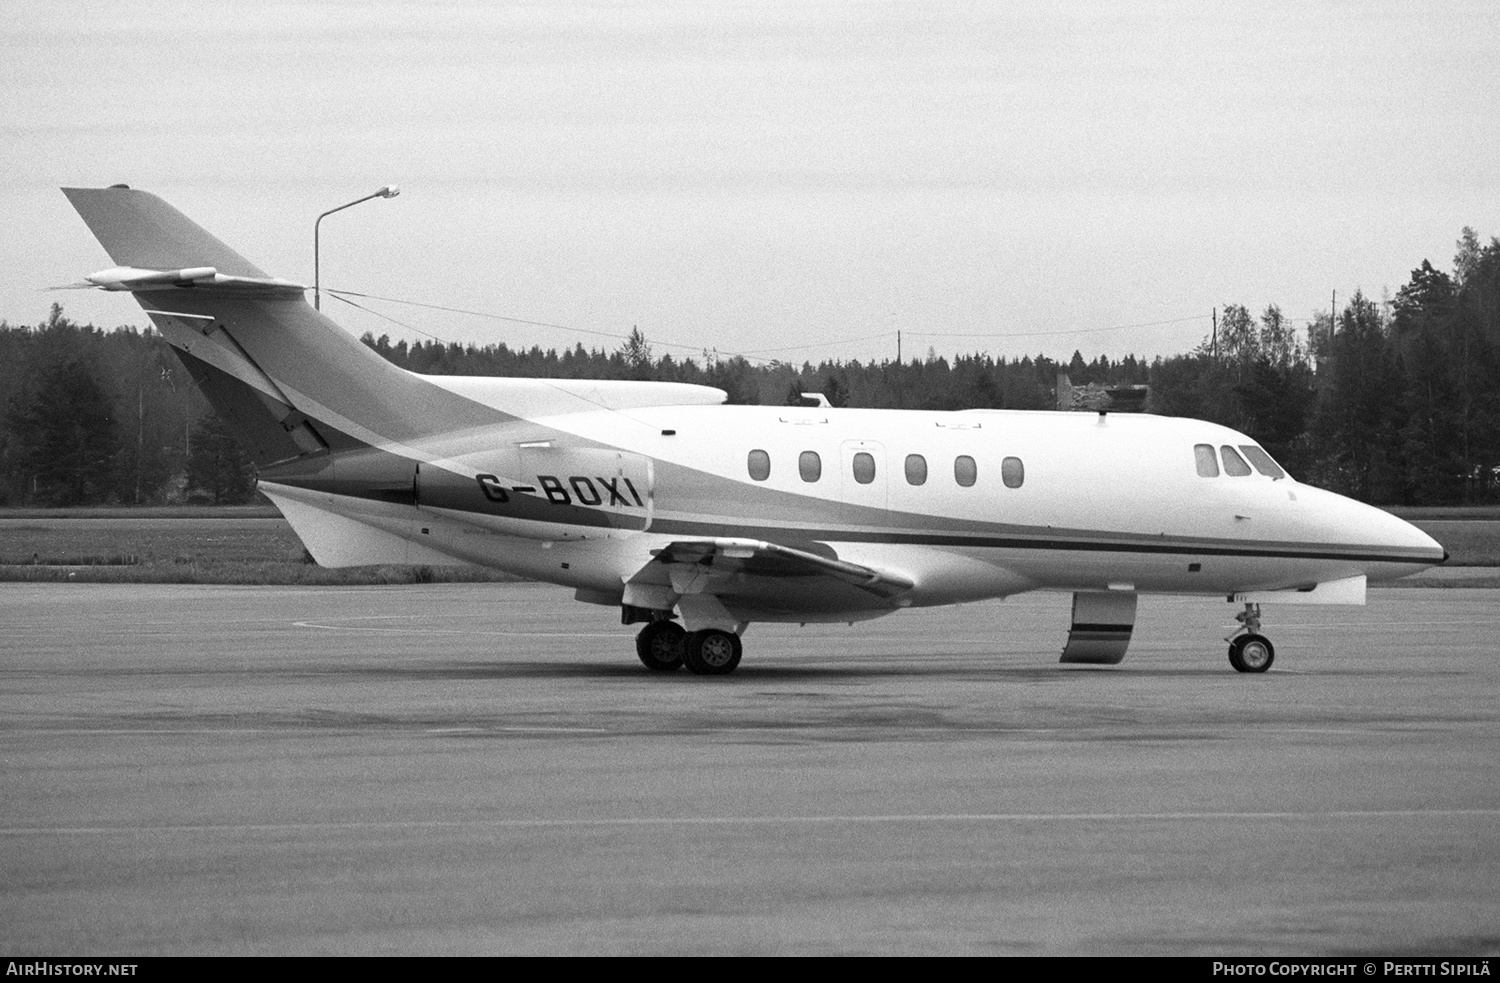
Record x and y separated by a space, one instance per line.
767 177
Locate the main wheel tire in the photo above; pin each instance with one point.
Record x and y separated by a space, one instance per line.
712 652
660 645
1251 653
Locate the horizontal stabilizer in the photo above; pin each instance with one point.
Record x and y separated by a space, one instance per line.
196 278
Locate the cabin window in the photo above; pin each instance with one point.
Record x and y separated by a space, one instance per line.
1208 462
916 469
965 472
1012 472
810 466
864 468
1262 461
1234 465
759 463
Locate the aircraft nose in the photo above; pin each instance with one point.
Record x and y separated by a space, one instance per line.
1426 542
1405 542
1388 545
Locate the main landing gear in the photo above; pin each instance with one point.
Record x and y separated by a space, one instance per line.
665 645
1251 651
660 645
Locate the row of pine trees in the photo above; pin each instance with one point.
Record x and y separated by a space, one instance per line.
1392 401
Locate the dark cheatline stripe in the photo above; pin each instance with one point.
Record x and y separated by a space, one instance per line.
1152 545
577 515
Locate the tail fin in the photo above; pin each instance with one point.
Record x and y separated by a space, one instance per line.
293 383
138 229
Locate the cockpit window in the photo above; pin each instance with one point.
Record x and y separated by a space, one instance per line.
1208 461
1234 465
1262 461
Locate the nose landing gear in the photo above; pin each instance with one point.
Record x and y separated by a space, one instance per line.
1250 651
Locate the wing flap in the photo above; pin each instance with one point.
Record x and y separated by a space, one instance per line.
694 564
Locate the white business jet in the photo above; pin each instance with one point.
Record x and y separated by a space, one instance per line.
697 519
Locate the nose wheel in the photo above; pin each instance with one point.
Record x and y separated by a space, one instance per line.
1250 651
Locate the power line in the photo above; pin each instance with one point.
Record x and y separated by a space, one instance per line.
756 355
337 295
823 344
763 355
544 381
1050 334
345 294
486 314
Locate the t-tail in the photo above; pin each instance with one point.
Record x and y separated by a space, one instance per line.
345 443
295 386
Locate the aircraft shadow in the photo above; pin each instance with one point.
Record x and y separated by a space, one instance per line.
748 673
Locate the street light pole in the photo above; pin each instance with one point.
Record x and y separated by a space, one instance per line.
389 191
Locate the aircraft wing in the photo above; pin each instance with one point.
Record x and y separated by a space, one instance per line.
702 565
